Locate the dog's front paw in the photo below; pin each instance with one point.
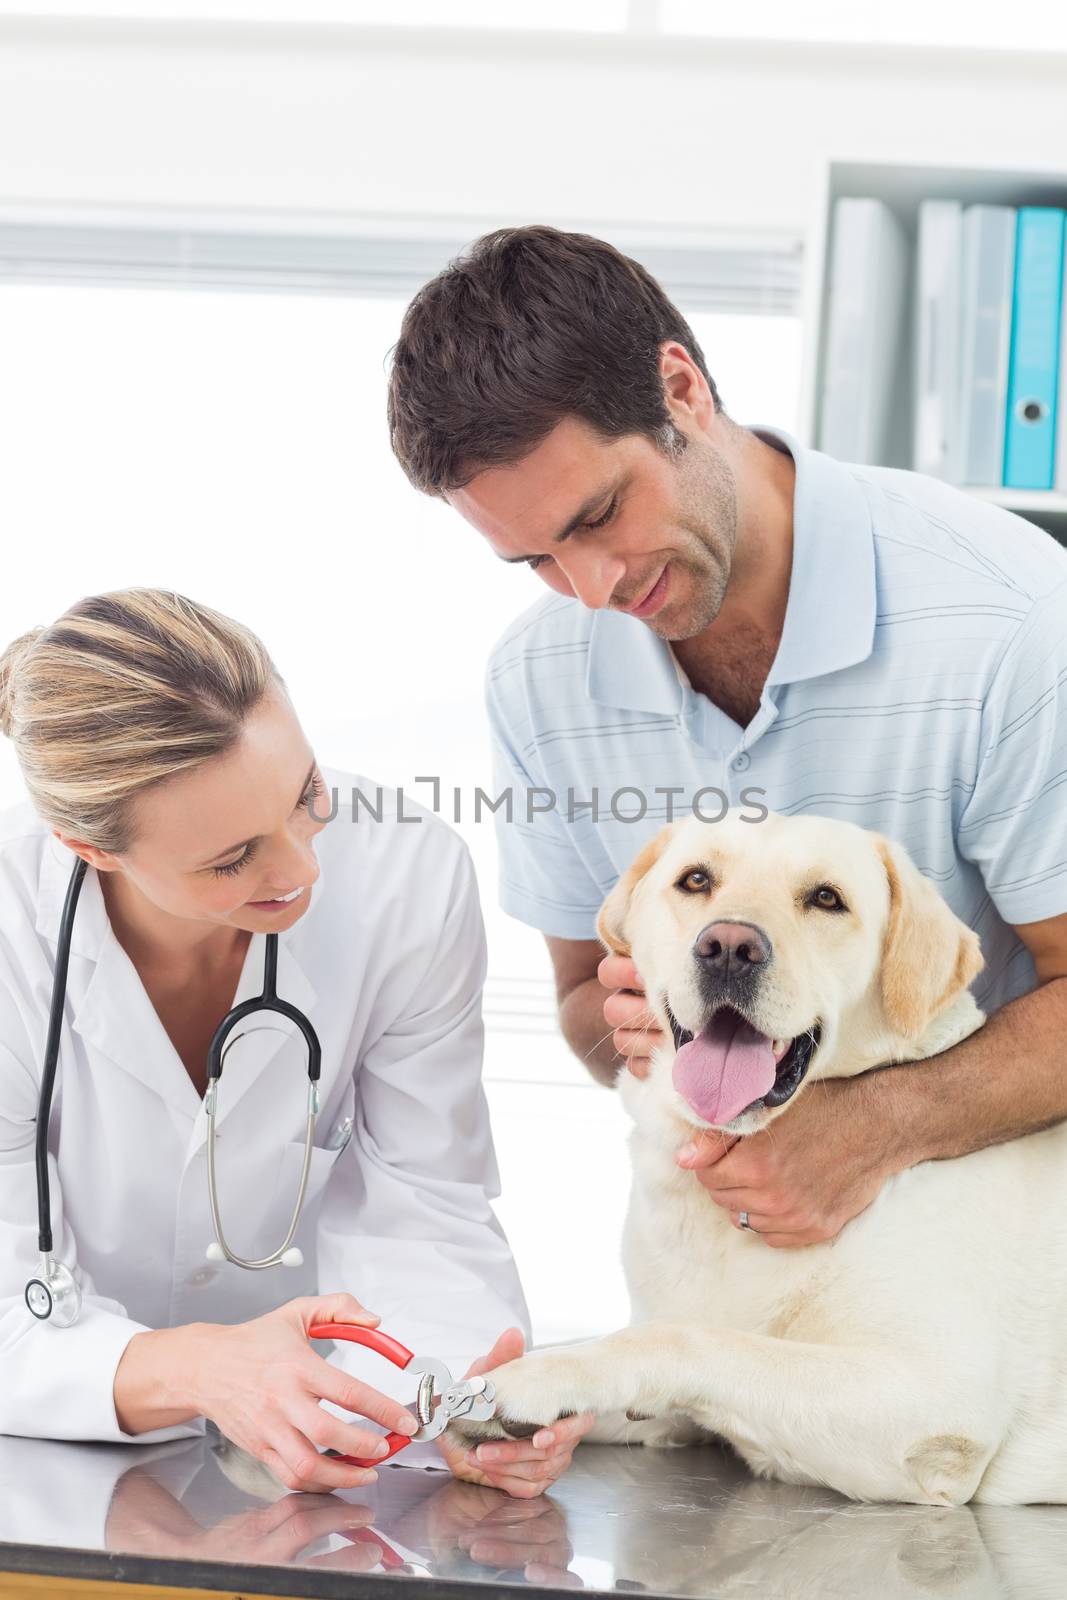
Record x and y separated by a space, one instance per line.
531 1393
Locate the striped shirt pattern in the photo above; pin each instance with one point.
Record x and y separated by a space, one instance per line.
918 689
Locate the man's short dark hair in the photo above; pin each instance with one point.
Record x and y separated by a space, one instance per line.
529 326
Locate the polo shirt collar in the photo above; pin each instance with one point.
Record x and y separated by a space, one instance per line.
830 613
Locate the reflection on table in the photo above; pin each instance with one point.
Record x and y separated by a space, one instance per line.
675 1522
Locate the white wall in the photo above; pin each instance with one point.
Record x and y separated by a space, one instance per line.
405 122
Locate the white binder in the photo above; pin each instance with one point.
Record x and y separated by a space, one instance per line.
864 342
935 441
988 267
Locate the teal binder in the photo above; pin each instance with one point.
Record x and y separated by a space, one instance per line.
1030 432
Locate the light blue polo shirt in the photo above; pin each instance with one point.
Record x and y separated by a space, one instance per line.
918 689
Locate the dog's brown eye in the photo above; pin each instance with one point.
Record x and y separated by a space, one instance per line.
826 898
695 882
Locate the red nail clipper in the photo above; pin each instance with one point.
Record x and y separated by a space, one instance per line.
440 1397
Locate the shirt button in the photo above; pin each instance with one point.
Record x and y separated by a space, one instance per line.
742 762
205 1275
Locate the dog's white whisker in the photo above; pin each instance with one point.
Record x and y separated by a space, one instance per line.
597 1043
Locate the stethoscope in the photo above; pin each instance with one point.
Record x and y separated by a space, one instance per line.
56 1296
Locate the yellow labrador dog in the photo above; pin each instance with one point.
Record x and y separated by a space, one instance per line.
922 1356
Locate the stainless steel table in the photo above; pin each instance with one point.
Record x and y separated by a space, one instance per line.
674 1522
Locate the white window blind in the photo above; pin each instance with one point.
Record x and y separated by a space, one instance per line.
750 275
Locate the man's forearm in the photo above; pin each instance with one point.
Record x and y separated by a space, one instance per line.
581 1017
1006 1080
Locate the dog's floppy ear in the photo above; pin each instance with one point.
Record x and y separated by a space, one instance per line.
929 955
611 923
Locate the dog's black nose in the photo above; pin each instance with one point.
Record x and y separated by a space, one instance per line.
732 949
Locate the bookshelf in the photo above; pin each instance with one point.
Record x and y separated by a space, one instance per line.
903 187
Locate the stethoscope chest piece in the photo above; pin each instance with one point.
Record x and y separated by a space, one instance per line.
55 1296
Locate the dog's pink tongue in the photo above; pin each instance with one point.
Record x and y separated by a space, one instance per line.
725 1068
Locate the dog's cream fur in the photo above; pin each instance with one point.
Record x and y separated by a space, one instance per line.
922 1356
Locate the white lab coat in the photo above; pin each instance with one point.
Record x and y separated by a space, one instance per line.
388 962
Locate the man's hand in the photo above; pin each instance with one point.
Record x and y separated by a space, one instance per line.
583 973
637 1033
805 1175
523 1468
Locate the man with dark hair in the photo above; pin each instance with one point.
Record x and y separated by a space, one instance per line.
736 620
530 327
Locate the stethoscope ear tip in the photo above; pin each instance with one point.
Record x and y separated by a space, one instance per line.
293 1258
215 1252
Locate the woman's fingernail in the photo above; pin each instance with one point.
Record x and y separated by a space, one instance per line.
687 1153
368 1478
407 1424
487 1452
380 1449
542 1440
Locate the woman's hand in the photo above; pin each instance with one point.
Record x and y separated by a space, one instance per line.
523 1468
145 1519
260 1382
531 1534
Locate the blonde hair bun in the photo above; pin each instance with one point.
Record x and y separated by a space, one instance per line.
9 673
120 693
